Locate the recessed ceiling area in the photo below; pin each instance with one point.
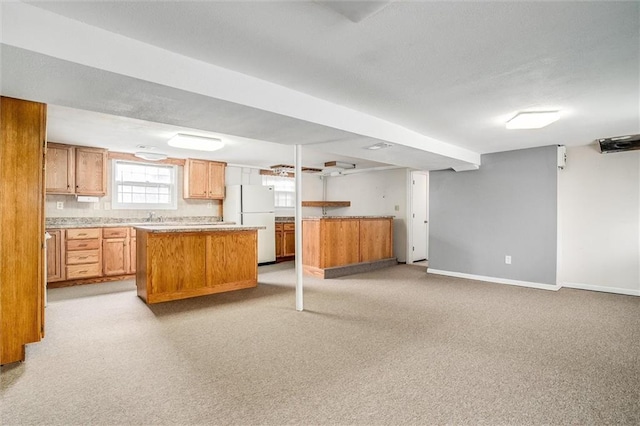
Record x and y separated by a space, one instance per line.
437 80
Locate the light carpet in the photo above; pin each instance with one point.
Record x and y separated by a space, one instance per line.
394 346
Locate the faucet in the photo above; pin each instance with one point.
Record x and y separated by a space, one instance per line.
150 217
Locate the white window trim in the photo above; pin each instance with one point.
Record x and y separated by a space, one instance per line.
172 205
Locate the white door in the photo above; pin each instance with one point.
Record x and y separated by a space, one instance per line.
419 216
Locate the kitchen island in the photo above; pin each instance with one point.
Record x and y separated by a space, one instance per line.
178 262
334 246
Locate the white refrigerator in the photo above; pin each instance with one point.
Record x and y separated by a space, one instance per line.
253 205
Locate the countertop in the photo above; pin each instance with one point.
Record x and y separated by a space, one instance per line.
108 222
346 217
158 228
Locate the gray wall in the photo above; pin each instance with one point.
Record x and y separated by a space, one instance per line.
508 207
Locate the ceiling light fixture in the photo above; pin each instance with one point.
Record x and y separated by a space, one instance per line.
380 145
533 119
151 156
198 143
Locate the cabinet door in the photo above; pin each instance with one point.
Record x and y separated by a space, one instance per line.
60 167
196 179
289 242
279 237
55 256
216 180
91 171
115 257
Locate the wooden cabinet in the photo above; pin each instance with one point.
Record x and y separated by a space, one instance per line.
22 268
178 265
60 169
289 240
285 240
56 256
91 168
115 251
76 170
203 179
83 253
342 241
132 251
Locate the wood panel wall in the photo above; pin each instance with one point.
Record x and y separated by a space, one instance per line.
23 139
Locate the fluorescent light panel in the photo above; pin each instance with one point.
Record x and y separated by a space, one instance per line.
197 143
533 119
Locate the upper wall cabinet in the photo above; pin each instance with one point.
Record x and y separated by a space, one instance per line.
76 170
91 171
60 177
204 179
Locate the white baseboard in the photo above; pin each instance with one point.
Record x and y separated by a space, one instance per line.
617 290
495 280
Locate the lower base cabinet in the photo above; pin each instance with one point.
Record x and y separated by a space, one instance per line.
285 240
81 255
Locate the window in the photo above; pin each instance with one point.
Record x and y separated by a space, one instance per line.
144 186
284 189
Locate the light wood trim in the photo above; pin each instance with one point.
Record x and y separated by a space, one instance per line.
130 157
22 144
326 203
93 280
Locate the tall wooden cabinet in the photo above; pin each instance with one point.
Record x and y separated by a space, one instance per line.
203 179
285 240
22 143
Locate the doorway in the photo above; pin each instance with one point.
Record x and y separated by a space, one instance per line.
419 250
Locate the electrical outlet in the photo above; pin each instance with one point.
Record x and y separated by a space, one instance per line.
60 205
209 205
507 260
397 208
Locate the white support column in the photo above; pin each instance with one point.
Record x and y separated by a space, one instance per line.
298 222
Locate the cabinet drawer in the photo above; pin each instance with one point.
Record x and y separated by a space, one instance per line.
82 244
83 234
83 271
279 226
83 256
289 226
114 232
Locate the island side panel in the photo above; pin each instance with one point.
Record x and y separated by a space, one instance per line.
311 252
232 260
376 239
141 264
176 263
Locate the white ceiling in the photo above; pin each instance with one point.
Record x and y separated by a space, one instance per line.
452 72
